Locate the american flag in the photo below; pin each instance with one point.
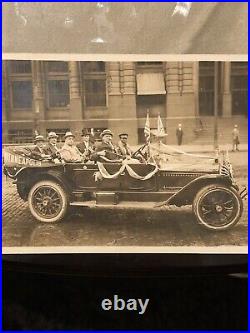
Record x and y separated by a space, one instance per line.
147 128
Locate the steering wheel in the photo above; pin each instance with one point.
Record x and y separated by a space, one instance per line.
141 158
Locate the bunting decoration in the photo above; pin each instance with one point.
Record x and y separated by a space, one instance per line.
103 173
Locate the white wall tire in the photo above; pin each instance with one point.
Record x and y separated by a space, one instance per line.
217 207
48 201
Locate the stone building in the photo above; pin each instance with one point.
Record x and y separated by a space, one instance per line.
55 95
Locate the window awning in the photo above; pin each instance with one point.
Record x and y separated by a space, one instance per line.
150 84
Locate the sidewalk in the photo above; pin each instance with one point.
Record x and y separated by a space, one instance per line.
202 148
208 148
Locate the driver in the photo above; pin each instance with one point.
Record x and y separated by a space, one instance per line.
69 151
123 146
106 150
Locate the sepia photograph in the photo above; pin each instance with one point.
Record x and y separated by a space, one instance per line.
112 154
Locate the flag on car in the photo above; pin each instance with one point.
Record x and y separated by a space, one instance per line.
160 127
147 128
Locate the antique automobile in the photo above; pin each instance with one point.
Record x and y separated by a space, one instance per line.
165 179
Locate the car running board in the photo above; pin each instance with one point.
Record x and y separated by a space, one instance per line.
120 205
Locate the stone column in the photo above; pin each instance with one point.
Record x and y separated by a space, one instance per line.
75 112
122 100
227 95
180 100
38 98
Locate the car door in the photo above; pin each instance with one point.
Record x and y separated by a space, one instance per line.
130 183
88 177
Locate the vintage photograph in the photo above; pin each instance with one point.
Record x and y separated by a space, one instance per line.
122 153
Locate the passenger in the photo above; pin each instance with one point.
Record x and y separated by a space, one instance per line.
106 150
123 147
85 147
52 148
39 152
69 151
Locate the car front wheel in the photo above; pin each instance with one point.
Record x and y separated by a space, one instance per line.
48 201
217 207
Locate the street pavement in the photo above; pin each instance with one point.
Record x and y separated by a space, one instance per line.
107 227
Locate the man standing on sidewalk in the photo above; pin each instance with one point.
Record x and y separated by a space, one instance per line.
179 134
235 138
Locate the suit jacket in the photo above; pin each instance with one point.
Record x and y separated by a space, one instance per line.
110 152
124 150
179 133
87 151
38 152
52 150
70 154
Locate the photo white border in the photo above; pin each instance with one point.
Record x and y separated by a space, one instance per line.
225 249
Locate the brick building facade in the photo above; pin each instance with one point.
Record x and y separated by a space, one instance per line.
54 95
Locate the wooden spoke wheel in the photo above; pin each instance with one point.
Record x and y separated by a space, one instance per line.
217 207
48 201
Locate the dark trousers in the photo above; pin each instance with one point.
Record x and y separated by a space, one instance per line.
179 140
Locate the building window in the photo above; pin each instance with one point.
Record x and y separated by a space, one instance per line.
20 67
58 93
57 84
239 88
20 79
57 67
20 136
94 83
149 67
95 92
22 94
206 88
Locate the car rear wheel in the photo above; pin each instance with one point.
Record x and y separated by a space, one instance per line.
48 201
217 207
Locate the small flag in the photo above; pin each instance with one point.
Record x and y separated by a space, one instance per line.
160 127
147 128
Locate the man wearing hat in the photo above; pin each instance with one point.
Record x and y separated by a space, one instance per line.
51 147
69 151
105 150
123 147
39 152
85 147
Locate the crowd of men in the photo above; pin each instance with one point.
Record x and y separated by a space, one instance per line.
87 150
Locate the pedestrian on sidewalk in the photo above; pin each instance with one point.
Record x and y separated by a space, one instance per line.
235 138
179 134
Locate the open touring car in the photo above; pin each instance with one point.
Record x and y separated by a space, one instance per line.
51 188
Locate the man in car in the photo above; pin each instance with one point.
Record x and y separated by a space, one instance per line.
52 148
85 147
69 151
39 151
123 147
106 151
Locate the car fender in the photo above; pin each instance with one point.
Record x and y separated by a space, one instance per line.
29 176
186 195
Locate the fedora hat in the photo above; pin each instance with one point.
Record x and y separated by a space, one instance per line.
52 135
68 135
85 132
39 138
106 132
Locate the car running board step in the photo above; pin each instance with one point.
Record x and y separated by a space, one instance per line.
120 205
